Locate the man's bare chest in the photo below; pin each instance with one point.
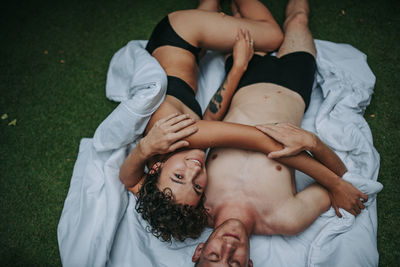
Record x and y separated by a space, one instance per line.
242 176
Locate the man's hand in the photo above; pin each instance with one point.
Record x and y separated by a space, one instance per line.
294 139
347 197
242 50
166 135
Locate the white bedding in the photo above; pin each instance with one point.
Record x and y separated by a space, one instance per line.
99 225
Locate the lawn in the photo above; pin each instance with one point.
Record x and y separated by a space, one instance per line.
53 62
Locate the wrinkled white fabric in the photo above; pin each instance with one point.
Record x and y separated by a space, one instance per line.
137 80
100 227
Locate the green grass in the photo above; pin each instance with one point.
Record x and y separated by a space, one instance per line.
56 104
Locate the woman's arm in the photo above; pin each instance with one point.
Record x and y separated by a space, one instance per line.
296 139
132 170
165 136
225 134
242 53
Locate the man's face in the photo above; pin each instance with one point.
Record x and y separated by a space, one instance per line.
228 245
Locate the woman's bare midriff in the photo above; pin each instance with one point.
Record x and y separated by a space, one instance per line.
241 176
179 63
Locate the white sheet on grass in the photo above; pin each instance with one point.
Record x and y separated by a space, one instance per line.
100 227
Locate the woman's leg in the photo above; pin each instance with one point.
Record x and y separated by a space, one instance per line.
209 5
235 10
217 31
253 10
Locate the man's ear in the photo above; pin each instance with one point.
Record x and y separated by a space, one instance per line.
250 263
155 168
197 252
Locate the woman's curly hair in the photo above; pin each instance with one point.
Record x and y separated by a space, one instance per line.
168 219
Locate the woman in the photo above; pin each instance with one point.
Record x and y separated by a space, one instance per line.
170 195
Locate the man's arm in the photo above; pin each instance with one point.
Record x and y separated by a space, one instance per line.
242 53
221 100
295 140
165 136
225 134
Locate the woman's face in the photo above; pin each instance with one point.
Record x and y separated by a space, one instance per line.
185 174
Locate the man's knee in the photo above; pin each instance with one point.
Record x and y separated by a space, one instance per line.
297 19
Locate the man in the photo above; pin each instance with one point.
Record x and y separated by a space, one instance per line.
248 192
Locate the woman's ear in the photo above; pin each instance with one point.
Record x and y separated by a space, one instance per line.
197 252
156 167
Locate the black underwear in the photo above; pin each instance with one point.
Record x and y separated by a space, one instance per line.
181 90
294 71
164 34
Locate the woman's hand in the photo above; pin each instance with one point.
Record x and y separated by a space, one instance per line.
344 195
294 139
166 135
242 50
